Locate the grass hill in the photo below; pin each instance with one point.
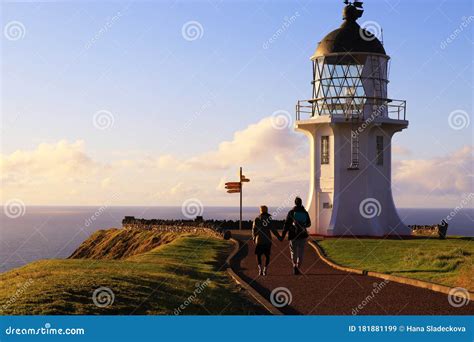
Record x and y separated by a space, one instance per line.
449 262
131 272
121 243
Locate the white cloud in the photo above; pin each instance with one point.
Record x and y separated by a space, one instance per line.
62 161
182 189
52 173
275 160
435 182
400 150
258 143
106 182
167 161
63 173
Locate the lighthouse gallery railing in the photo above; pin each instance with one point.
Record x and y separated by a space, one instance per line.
350 107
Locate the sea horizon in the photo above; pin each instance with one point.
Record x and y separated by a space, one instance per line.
177 205
34 235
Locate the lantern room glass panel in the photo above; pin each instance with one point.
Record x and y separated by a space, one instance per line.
350 85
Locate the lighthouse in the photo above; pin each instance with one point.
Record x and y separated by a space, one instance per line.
350 122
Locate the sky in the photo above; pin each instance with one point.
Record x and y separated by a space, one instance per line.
156 102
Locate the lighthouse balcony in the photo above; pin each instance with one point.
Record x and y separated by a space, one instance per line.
351 107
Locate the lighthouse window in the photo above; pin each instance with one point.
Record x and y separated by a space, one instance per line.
379 150
325 149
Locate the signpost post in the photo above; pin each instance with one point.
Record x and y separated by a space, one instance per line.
236 187
240 180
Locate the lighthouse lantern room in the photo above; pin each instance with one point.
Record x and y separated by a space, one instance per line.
350 122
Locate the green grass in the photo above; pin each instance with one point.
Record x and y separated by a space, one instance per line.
155 282
449 262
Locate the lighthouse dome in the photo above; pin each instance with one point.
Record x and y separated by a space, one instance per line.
349 38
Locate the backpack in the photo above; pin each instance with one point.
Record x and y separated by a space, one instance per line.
300 222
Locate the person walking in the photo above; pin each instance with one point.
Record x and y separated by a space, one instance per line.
296 223
262 229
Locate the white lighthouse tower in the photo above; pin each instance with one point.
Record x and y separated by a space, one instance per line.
350 122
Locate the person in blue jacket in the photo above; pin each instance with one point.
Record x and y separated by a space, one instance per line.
296 223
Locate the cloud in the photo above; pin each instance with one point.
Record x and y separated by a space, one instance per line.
63 173
182 189
106 182
52 173
275 160
258 143
400 150
450 175
167 161
61 161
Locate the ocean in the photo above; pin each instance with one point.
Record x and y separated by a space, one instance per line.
55 232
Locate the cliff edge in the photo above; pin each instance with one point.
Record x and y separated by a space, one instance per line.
117 243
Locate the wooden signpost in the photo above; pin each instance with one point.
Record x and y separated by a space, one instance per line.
236 187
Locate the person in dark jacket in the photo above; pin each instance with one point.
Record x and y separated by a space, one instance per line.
262 230
296 223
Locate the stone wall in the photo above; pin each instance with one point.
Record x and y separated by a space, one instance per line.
182 227
130 222
438 230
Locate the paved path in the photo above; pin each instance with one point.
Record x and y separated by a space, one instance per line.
323 290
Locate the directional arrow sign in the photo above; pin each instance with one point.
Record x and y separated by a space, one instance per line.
245 179
232 184
233 191
233 187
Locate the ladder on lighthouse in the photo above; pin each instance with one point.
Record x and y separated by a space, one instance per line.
354 111
376 77
354 142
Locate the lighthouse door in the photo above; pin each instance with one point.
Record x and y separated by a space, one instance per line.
325 211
